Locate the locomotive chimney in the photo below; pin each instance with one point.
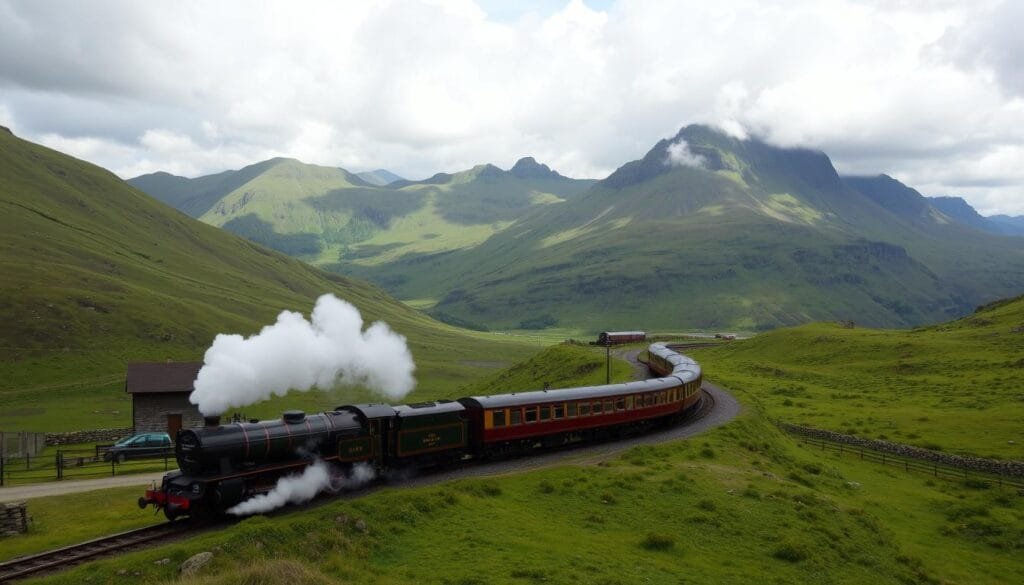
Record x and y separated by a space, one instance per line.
212 421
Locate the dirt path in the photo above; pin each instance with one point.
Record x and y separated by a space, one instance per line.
20 493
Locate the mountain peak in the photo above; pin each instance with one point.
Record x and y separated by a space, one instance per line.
7 130
695 146
528 168
487 171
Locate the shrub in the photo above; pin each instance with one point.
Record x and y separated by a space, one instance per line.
658 541
791 552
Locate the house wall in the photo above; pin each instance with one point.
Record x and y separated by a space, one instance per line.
149 412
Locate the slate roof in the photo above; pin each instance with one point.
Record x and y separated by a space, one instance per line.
151 378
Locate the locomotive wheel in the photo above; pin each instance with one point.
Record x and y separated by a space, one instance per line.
172 512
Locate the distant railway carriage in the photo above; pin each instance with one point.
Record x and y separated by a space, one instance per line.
617 337
222 465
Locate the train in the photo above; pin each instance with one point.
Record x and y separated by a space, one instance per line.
222 465
620 337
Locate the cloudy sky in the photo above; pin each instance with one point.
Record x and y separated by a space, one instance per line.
931 92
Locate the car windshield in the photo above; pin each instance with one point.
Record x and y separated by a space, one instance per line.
123 442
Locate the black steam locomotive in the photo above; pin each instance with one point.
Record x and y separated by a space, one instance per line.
220 465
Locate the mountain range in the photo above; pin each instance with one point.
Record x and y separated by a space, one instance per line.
705 231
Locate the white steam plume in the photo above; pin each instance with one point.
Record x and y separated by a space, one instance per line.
680 155
300 488
296 354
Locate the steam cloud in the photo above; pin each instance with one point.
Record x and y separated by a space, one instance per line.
300 488
680 155
294 353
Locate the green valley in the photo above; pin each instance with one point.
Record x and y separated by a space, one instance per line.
748 237
752 236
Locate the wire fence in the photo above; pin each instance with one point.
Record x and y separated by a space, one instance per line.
19 443
932 468
81 464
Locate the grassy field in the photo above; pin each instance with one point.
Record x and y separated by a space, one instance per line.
956 387
741 504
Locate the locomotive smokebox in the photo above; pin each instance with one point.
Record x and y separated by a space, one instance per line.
212 421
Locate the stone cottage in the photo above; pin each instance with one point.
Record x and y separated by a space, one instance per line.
160 396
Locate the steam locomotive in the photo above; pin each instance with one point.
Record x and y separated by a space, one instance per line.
221 465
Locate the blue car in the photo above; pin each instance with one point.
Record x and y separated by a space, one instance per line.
139 446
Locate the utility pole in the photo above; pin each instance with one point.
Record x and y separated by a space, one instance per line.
607 361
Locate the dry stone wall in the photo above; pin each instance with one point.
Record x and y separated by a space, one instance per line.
13 519
93 436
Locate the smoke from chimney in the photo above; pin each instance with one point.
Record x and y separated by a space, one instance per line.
296 354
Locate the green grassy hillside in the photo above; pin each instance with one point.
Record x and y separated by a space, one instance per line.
97 274
956 387
755 237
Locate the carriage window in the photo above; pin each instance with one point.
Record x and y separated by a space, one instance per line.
516 416
584 408
596 409
629 403
572 409
499 418
545 413
559 411
531 414
620 404
649 400
609 406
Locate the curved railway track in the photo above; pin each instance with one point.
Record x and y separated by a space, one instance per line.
69 556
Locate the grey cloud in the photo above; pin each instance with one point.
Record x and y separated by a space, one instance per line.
417 87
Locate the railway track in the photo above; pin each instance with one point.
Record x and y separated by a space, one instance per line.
69 556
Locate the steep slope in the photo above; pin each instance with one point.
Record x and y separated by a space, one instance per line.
709 231
96 274
327 215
